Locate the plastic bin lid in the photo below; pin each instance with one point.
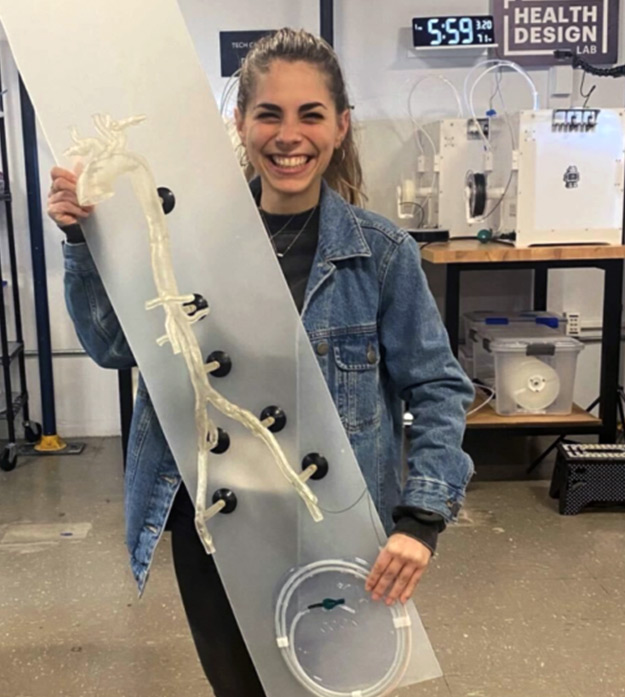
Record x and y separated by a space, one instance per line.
492 318
487 315
549 319
519 337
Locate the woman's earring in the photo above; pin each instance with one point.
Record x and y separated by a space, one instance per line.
243 159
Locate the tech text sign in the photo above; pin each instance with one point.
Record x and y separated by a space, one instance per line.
529 31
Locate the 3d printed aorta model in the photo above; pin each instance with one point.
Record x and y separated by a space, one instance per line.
106 159
130 57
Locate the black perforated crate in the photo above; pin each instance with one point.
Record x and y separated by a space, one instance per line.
588 474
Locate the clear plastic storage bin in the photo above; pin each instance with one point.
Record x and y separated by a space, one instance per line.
481 320
477 323
466 361
534 369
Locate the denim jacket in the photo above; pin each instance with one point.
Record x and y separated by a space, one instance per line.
380 342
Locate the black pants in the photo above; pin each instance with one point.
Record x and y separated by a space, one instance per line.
220 646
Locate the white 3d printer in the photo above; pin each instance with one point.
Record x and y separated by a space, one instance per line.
556 176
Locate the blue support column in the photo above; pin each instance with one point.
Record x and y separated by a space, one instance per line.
50 442
35 218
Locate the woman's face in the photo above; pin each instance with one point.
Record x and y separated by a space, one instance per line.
290 131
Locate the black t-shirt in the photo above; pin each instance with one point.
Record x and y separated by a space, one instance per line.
294 239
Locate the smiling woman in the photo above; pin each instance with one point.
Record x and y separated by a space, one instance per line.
374 328
290 129
293 118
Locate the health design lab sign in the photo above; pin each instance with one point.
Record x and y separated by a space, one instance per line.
529 31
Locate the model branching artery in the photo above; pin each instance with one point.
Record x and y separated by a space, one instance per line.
105 159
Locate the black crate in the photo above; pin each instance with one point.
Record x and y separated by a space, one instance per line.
588 474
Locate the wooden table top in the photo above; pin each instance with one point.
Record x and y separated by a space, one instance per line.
488 418
473 251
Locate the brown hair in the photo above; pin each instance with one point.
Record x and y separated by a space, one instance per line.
344 173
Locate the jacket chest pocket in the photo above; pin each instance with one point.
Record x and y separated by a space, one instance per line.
357 361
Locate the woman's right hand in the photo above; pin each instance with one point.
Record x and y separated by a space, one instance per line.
63 206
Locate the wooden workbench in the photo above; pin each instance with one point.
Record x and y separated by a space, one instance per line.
472 255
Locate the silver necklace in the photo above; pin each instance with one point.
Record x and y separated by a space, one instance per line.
280 255
282 229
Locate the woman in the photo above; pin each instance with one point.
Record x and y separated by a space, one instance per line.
364 300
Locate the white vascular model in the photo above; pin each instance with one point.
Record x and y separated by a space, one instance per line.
106 159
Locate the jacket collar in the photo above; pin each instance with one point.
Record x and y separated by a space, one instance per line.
340 234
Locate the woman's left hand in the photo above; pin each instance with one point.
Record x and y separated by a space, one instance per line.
399 567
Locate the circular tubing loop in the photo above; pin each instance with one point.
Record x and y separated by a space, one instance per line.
396 671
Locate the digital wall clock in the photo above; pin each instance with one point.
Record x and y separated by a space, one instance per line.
453 32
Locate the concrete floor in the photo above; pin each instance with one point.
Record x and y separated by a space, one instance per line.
520 602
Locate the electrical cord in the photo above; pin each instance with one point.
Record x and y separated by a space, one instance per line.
577 62
588 94
418 207
496 91
491 395
499 63
497 66
481 64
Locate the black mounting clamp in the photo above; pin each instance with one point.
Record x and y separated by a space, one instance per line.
319 461
278 416
168 200
225 364
223 442
228 497
196 305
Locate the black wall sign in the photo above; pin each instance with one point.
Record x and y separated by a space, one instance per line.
529 31
234 46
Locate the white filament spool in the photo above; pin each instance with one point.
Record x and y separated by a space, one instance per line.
534 385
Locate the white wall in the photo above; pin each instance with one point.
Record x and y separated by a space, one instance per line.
373 41
206 19
86 396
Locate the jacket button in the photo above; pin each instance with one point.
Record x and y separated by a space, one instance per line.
323 348
371 355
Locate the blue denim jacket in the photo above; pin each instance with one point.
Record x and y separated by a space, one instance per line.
379 340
